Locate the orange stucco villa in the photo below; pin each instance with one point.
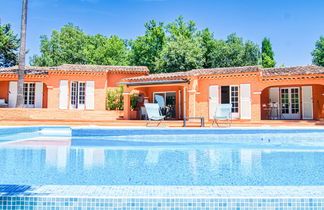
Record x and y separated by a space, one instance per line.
281 93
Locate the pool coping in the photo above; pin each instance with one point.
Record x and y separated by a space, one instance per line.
162 192
266 127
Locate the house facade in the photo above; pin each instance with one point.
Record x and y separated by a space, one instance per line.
255 93
80 87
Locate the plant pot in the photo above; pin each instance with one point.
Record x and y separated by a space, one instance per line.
134 115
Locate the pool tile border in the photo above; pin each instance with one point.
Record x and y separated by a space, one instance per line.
161 197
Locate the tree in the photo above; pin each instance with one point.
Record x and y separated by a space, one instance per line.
180 55
318 53
9 44
71 45
179 28
101 50
207 43
251 54
267 54
145 50
22 54
65 46
182 51
230 52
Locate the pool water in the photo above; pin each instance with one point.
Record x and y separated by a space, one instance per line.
184 157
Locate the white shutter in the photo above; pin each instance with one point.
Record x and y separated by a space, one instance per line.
89 95
245 101
12 94
63 94
213 100
307 102
38 95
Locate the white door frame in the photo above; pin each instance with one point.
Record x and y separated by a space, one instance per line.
235 115
28 95
165 93
290 115
78 105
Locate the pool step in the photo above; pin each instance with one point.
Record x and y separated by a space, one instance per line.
56 132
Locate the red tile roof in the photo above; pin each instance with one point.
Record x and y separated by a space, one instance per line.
266 72
199 72
88 68
292 70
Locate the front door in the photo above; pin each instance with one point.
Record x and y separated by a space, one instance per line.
290 108
29 95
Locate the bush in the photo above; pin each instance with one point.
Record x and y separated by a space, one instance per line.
115 99
133 101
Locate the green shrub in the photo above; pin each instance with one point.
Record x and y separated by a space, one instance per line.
115 99
133 101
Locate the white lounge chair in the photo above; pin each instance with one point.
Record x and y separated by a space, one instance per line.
224 113
153 113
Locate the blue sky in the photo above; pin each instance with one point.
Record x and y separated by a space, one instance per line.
293 26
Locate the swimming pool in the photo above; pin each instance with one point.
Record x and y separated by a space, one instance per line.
207 158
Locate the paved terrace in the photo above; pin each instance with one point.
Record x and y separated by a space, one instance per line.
22 117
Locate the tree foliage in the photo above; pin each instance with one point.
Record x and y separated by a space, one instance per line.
318 53
145 50
71 45
181 54
9 44
182 51
172 47
267 54
228 53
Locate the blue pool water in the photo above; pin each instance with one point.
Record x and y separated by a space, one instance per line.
187 157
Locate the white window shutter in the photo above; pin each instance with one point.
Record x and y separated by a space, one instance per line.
12 99
89 100
245 101
63 94
213 100
307 102
38 95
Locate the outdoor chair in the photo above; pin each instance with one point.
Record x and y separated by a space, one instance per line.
223 113
160 101
153 113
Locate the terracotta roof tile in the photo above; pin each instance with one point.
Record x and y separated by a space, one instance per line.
101 68
91 68
292 70
27 71
198 72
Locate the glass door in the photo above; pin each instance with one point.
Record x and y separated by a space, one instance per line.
77 95
74 95
290 108
29 95
168 107
170 104
230 95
